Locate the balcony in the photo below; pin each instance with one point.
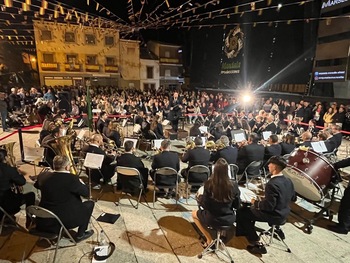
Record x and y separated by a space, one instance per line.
71 67
92 68
111 68
52 66
170 60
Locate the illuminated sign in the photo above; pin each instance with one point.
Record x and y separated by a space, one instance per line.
329 5
330 76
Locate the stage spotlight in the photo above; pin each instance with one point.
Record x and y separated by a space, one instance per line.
246 98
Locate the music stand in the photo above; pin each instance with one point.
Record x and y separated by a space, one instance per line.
93 161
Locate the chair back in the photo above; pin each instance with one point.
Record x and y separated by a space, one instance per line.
165 176
198 174
233 171
128 171
41 212
130 179
253 169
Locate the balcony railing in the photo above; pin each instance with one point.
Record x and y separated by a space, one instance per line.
111 68
170 60
93 68
49 66
72 67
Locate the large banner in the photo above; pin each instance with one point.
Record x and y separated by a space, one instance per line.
232 51
330 5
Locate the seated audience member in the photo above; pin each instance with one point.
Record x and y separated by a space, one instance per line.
220 198
107 170
196 156
229 153
252 151
61 193
274 208
288 144
128 159
273 148
165 158
11 200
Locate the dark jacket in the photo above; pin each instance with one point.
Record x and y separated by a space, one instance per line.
273 150
196 156
279 192
229 153
249 153
166 159
287 148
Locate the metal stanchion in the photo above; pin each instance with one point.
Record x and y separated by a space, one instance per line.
20 139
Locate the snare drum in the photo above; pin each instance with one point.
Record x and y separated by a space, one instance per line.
310 172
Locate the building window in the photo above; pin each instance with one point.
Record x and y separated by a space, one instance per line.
130 51
91 60
149 72
72 58
48 58
90 39
69 37
167 54
109 40
110 61
167 73
46 35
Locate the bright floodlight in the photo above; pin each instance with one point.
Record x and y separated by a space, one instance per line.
279 6
246 98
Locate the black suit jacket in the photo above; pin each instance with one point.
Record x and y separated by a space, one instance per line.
271 127
130 160
228 153
166 159
287 148
273 150
337 138
249 153
60 193
196 156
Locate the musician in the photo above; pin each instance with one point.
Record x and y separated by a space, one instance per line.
157 127
295 127
306 137
112 133
229 153
165 158
60 116
258 125
329 142
250 151
175 111
216 133
274 208
343 225
270 125
312 128
197 156
288 144
61 193
194 130
273 148
107 170
101 122
219 201
10 199
337 136
128 159
54 131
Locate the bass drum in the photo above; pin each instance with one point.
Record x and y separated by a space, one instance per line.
310 173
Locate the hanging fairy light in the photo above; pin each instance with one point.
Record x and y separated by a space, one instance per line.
25 7
8 3
44 4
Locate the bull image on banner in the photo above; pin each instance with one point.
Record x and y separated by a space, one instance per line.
232 51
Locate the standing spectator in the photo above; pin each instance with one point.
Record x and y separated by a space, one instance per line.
339 117
14 100
328 117
3 111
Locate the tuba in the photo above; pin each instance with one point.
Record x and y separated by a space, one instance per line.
210 145
10 158
62 146
190 144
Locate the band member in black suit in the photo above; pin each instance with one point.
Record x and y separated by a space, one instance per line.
175 111
306 137
251 151
11 199
274 148
128 159
337 136
61 193
257 128
270 124
229 153
157 127
112 133
101 122
274 208
165 159
107 169
312 128
219 201
288 144
49 153
343 225
197 156
295 127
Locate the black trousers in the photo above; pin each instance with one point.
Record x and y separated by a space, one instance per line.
85 218
344 210
11 202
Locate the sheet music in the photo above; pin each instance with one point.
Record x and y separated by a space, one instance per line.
157 143
96 111
204 139
33 154
239 137
266 135
319 147
203 129
81 134
124 122
131 139
165 122
93 160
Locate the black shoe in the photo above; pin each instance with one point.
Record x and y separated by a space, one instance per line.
257 249
86 235
338 229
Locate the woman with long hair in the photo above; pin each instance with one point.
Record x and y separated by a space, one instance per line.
220 198
157 127
328 117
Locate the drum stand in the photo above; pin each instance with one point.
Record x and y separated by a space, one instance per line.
325 210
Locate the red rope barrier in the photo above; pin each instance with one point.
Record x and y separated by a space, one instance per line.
319 127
